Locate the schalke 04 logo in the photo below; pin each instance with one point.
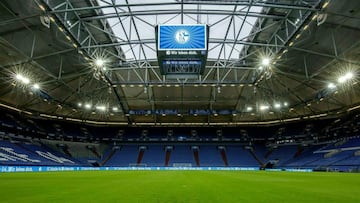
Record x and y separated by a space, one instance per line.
182 36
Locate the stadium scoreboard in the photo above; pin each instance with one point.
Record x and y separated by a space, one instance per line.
182 49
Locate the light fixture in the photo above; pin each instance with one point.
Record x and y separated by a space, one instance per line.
286 104
314 17
23 79
331 86
218 90
115 108
263 107
79 104
42 7
101 108
249 108
36 86
99 62
277 105
346 77
325 4
88 106
265 61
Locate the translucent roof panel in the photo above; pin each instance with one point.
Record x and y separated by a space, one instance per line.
134 21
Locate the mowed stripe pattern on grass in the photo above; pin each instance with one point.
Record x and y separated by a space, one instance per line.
179 186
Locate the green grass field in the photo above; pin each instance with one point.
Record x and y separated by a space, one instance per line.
179 186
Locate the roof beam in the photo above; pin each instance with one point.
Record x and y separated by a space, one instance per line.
216 3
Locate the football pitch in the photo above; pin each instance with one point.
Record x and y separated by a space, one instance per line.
179 186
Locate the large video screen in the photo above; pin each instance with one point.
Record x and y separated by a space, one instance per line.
182 37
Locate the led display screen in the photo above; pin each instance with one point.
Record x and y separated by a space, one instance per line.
182 37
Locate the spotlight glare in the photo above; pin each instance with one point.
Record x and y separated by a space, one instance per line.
88 106
26 80
265 61
349 75
115 108
286 104
277 105
249 108
99 62
19 77
36 86
101 108
79 104
264 107
331 86
23 79
346 77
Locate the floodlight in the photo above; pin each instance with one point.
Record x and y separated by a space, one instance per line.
101 108
286 104
331 86
277 105
265 62
115 108
23 79
349 75
79 104
249 108
36 86
99 62
88 106
346 77
264 107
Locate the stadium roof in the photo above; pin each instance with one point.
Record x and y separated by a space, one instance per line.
95 60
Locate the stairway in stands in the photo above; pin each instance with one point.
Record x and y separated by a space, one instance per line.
196 155
223 155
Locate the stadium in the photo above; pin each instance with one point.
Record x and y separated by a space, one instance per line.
179 101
